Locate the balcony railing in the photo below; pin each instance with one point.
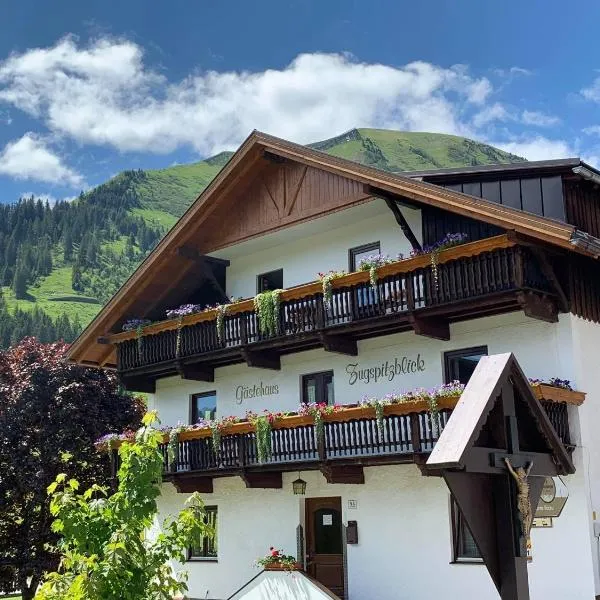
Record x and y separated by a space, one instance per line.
494 268
351 436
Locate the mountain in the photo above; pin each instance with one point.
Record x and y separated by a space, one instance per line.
59 264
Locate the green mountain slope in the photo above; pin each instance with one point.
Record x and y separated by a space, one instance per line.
93 244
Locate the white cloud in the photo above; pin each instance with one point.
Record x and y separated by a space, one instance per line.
30 158
512 72
103 94
495 112
538 148
539 119
593 130
592 92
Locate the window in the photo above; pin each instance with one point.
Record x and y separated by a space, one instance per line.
318 387
273 280
203 406
464 548
356 254
460 364
205 547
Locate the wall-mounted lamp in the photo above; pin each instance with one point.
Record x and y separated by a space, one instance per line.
299 486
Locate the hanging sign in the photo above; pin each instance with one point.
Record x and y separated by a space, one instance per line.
553 498
387 371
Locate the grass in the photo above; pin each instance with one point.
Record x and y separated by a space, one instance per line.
172 190
156 218
413 151
58 283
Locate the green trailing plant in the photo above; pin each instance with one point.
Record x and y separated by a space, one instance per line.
266 305
379 406
373 262
139 335
327 283
106 551
215 432
178 341
220 321
263 424
318 410
173 444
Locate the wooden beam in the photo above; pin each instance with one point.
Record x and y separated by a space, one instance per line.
263 479
550 274
340 344
138 384
538 306
195 372
408 232
195 483
343 473
436 328
203 263
261 359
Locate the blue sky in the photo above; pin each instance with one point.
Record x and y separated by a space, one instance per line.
88 89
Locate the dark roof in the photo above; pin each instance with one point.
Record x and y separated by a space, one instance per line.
534 166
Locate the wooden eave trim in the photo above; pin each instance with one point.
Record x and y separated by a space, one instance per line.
315 287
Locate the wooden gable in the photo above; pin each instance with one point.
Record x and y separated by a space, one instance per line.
281 193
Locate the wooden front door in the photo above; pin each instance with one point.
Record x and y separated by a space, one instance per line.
324 542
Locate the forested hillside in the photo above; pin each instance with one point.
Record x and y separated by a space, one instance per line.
59 264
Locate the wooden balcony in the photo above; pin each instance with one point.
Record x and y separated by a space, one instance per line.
476 279
352 439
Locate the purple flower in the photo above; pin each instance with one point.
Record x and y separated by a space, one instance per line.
132 324
183 310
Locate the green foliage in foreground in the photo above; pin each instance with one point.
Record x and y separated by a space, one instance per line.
106 554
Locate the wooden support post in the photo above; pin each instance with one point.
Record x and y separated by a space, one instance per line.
262 359
339 344
436 328
410 236
538 306
189 484
343 473
146 385
195 372
262 479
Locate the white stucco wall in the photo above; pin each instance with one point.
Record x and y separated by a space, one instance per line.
538 347
404 547
403 517
302 251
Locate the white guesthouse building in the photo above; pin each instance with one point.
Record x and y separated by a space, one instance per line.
371 525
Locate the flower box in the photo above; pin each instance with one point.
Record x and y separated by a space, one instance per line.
552 393
282 567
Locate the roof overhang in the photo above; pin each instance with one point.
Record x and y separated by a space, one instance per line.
90 348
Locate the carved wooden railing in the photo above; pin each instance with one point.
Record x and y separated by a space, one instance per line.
465 272
406 429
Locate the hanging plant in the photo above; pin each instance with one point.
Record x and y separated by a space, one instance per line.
379 406
220 321
173 445
140 341
263 424
327 283
266 306
215 430
448 241
373 262
318 410
178 340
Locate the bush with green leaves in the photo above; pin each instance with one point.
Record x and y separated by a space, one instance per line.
106 551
